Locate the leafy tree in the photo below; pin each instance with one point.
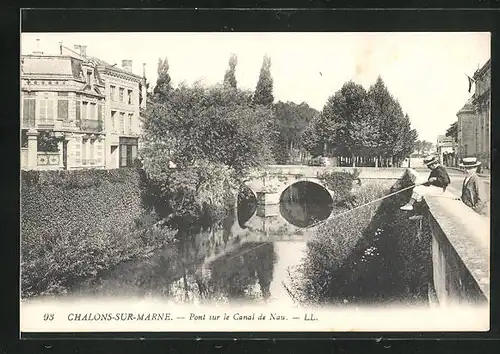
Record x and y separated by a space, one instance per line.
163 83
452 131
213 136
264 90
230 75
395 138
291 120
346 119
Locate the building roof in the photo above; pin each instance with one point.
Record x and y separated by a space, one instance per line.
51 65
483 69
468 107
113 67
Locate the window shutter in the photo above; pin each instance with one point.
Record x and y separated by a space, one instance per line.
32 110
78 117
29 112
62 109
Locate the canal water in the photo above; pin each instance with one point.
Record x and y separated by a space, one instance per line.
255 257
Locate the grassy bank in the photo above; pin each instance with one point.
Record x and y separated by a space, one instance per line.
368 255
75 224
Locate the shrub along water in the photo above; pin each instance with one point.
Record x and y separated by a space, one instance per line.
75 224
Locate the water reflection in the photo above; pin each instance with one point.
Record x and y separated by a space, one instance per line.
305 203
247 259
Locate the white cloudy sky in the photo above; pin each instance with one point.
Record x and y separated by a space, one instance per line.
425 71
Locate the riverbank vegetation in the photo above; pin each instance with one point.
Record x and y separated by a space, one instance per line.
75 224
370 255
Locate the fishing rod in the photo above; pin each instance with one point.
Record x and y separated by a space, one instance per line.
339 214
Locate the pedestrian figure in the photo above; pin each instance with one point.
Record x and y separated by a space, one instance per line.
473 191
435 185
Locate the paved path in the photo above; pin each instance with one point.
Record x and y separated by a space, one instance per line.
457 178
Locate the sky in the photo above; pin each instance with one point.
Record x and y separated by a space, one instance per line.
425 71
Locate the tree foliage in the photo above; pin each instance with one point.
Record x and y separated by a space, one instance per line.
291 120
359 123
212 135
264 90
163 83
230 75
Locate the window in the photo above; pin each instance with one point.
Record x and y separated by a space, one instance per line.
130 123
93 111
84 152
112 93
123 155
99 153
62 106
129 96
128 151
128 154
121 94
113 121
46 110
89 77
84 109
122 122
91 151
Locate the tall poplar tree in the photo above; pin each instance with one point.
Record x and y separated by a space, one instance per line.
230 75
163 82
264 90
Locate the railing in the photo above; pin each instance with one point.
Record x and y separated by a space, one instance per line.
91 125
89 162
48 159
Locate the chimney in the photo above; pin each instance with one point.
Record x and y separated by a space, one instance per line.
37 51
144 70
83 50
127 65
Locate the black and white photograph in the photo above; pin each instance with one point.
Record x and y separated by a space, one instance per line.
255 181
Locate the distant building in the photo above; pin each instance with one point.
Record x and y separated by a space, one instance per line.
474 120
466 131
446 148
78 112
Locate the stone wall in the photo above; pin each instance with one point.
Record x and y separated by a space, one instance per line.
460 252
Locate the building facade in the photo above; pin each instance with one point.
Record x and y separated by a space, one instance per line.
67 105
482 105
474 120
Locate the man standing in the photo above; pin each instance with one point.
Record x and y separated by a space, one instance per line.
473 191
435 185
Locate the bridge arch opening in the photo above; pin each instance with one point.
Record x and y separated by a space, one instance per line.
247 205
304 203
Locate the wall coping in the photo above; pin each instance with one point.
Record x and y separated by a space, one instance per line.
468 233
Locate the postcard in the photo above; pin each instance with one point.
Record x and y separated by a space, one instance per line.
257 182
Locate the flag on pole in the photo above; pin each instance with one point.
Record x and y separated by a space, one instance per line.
471 80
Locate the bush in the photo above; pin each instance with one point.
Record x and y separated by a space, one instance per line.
75 224
340 182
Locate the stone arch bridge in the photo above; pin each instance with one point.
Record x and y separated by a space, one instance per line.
269 183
